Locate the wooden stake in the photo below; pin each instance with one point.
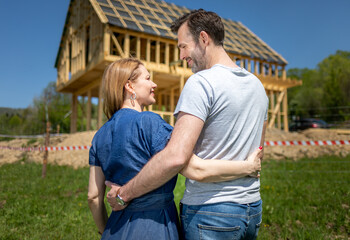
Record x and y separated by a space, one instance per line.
46 154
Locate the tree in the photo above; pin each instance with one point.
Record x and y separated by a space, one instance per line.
54 106
325 92
335 72
305 100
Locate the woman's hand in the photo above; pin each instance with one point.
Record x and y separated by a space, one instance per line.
255 162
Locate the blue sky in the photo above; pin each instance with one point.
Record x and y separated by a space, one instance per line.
304 32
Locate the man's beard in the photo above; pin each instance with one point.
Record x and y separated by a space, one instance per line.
198 59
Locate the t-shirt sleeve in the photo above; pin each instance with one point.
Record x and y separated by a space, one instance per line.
156 131
196 98
93 159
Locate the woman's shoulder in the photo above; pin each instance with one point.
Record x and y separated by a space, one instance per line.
148 114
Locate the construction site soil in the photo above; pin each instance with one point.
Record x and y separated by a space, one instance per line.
79 158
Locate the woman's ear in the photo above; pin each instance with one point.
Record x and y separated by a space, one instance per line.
128 86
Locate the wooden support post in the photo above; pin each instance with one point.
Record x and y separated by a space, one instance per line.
182 82
148 50
150 107
127 45
100 107
279 118
74 114
172 106
284 73
261 65
256 67
106 42
159 101
276 71
46 154
272 103
138 48
270 70
285 111
157 52
167 61
176 57
88 112
241 63
249 65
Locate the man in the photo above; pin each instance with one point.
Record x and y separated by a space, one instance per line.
221 114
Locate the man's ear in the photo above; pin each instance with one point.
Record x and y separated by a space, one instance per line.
204 38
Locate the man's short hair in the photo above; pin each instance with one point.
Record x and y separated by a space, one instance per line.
201 20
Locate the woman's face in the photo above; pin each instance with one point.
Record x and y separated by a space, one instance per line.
144 88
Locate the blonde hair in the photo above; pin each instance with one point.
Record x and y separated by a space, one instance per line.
114 79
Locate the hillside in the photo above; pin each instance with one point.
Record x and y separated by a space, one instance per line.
10 111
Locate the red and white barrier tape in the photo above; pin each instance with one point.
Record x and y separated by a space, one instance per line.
67 148
267 143
307 143
41 149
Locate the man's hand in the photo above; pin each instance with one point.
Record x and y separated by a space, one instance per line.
112 195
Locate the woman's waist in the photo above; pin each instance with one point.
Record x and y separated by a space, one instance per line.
151 201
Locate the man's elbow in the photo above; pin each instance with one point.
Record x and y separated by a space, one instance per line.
177 159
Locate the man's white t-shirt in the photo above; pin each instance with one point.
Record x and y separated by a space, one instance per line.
233 104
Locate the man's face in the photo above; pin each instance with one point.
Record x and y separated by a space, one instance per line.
190 51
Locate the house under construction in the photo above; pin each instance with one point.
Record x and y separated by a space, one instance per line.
98 32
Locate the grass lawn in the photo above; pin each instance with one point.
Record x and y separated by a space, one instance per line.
307 199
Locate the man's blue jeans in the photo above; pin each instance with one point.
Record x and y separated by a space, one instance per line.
221 221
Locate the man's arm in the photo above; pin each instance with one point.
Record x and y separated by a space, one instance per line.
167 163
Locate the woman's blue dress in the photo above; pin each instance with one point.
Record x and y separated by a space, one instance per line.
121 147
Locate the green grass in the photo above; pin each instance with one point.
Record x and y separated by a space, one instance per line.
51 208
307 199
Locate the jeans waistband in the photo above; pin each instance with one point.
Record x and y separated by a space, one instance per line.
151 202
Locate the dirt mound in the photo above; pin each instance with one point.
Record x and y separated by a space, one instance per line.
75 158
79 158
297 152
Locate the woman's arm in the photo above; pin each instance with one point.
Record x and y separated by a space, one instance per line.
96 197
212 170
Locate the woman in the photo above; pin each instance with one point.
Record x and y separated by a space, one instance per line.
124 144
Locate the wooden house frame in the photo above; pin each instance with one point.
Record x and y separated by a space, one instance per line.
98 32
